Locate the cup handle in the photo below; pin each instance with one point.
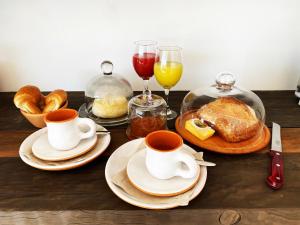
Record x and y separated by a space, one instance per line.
92 126
190 162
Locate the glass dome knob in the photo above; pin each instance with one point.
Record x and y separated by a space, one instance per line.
107 67
225 81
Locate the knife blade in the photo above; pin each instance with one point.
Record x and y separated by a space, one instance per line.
275 179
276 138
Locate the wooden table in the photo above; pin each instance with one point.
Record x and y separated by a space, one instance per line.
235 190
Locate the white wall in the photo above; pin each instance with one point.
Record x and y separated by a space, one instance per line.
60 43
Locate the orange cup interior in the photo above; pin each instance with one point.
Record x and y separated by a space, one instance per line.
163 140
61 115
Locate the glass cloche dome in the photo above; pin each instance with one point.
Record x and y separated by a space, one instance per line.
223 117
107 97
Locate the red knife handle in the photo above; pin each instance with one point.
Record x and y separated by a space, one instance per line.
275 180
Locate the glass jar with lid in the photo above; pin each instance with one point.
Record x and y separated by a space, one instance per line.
146 115
223 118
107 97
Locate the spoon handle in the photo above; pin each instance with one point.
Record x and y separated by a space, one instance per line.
103 132
205 163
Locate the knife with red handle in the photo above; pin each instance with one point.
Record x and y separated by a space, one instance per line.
275 179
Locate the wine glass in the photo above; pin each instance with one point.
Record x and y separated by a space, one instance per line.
167 70
143 62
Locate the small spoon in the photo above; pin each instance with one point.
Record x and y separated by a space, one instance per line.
103 132
199 159
205 163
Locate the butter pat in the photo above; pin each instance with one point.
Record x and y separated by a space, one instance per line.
199 129
110 107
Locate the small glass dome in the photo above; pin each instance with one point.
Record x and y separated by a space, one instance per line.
232 113
146 115
107 97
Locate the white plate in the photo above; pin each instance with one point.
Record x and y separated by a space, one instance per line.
118 162
42 149
139 177
27 156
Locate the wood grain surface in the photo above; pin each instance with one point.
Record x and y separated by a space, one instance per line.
236 182
138 217
235 190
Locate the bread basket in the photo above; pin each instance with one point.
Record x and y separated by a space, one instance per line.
37 120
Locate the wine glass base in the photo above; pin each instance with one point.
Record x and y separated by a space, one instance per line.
171 114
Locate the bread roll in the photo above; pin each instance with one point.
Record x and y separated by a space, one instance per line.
54 100
27 99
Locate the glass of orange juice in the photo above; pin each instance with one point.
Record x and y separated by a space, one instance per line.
168 70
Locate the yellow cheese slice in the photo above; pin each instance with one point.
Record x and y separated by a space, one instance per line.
199 129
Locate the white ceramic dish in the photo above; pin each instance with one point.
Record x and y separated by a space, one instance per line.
118 162
42 149
27 156
140 178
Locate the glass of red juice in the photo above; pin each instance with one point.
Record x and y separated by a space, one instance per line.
143 62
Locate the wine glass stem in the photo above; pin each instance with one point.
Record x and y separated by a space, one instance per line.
167 98
146 90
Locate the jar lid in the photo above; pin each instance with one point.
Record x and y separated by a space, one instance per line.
147 103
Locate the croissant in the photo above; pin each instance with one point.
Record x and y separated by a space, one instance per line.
27 99
54 100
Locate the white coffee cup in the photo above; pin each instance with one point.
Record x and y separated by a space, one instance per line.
164 154
64 128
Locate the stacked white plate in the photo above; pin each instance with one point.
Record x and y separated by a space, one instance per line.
131 158
36 151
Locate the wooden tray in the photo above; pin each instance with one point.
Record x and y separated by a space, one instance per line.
218 144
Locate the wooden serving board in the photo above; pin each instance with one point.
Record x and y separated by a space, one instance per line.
218 144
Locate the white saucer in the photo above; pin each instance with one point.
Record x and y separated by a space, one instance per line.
139 177
27 156
118 162
42 149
